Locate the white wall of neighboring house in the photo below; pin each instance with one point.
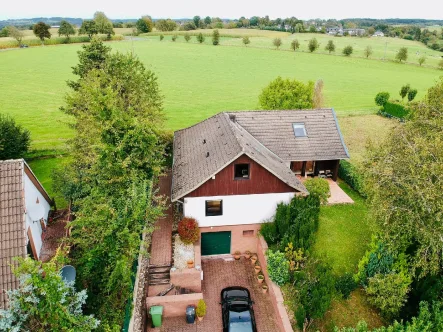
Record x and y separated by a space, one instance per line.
237 209
31 196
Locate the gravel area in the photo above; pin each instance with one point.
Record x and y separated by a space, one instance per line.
182 253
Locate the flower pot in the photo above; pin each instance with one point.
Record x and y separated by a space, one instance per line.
199 318
264 289
247 255
253 259
190 264
257 269
260 279
237 256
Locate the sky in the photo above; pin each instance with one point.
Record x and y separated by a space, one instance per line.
303 9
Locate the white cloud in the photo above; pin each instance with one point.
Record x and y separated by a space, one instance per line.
224 9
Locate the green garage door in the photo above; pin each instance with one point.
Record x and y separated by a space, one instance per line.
216 243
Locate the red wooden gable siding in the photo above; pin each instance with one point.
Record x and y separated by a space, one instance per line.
260 181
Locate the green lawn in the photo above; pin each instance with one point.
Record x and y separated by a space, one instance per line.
344 233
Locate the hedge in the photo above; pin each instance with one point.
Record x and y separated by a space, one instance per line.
350 174
395 109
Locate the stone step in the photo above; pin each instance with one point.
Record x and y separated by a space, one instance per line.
159 269
159 276
159 281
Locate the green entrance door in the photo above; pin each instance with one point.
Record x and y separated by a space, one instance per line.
216 243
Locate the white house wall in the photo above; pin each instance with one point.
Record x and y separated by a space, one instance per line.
31 195
237 209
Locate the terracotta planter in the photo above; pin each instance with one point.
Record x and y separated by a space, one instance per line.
264 289
257 269
247 255
237 256
190 264
199 318
253 259
260 279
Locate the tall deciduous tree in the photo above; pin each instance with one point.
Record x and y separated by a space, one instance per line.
313 45
197 20
66 29
287 94
89 27
367 51
330 46
404 180
295 45
277 43
44 302
165 25
103 24
14 140
16 34
402 54
41 30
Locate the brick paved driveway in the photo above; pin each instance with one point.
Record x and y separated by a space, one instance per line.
219 274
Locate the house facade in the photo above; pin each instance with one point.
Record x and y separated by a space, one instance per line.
24 210
232 170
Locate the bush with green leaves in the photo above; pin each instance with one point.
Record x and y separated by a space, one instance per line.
246 40
352 175
388 292
295 45
402 54
347 51
396 109
200 38
382 98
14 140
162 37
187 37
330 46
411 94
174 37
277 267
283 94
316 289
313 45
404 90
318 187
43 301
215 37
345 284
269 232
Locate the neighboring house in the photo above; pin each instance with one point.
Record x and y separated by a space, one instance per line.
24 209
355 32
378 34
230 171
334 30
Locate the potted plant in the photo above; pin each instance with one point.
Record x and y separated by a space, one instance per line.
253 259
190 263
247 254
264 288
257 269
260 278
237 255
200 311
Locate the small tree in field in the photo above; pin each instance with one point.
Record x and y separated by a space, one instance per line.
200 38
402 54
174 38
382 98
66 29
215 37
330 46
89 27
246 40
16 34
411 94
162 37
367 51
347 51
295 45
277 42
187 37
14 140
41 30
313 45
421 60
404 90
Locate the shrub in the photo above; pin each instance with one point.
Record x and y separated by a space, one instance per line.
278 267
174 38
246 40
161 37
376 260
281 219
345 284
187 37
283 94
330 46
295 45
277 42
269 232
200 311
388 292
396 109
215 37
313 45
188 230
382 98
318 187
421 60
402 54
404 90
14 140
351 175
347 51
367 51
411 94
200 38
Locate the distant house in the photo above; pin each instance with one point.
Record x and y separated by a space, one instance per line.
378 33
24 209
354 32
334 31
231 171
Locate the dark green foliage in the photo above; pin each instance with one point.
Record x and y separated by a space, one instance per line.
402 54
190 25
330 46
89 27
404 90
66 29
161 37
396 109
377 260
174 38
197 20
345 284
295 45
187 37
269 232
411 94
41 30
215 37
313 45
318 187
382 98
200 38
142 26
284 94
165 25
14 140
4 32
282 219
277 267
351 175
347 51
316 287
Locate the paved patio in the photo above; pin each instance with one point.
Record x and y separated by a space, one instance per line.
219 274
338 196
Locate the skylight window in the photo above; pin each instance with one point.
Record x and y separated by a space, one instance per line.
299 129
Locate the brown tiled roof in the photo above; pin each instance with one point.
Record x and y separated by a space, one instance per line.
12 222
206 148
274 130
